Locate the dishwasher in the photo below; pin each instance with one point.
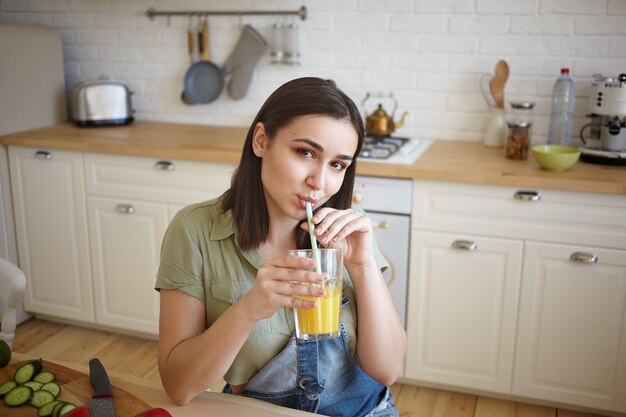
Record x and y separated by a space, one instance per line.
387 202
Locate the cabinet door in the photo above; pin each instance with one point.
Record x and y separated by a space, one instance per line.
572 328
51 228
462 310
125 242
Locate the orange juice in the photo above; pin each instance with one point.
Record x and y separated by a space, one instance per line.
323 319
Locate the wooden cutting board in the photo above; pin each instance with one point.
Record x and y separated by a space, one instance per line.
75 388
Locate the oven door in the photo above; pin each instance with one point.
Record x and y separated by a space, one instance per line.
392 235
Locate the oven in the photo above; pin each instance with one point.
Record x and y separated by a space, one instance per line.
387 202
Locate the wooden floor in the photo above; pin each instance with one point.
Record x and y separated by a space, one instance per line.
136 356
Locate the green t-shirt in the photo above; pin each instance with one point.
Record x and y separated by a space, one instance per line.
201 258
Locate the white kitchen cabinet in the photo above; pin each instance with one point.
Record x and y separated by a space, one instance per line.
571 343
562 330
462 310
126 238
51 227
131 200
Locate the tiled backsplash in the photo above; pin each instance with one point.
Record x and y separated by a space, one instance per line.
429 53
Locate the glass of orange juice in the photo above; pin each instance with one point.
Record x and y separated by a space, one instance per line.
322 321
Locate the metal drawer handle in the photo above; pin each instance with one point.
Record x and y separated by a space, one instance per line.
382 225
464 245
527 195
165 165
125 209
43 155
584 258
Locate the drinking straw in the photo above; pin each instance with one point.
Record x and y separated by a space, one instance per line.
309 216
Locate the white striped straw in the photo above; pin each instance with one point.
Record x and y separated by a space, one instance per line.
309 216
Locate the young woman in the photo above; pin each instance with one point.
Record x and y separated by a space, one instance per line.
228 288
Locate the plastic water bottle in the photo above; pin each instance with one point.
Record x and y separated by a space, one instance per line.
562 114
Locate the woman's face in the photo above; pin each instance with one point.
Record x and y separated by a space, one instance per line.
305 161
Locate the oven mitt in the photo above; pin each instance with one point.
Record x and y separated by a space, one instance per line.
242 61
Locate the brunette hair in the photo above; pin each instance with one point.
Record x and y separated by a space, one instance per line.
302 96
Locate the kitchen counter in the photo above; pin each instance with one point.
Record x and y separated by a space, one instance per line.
205 404
456 161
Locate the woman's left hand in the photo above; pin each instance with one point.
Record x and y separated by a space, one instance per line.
346 229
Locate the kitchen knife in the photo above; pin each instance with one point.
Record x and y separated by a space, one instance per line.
101 404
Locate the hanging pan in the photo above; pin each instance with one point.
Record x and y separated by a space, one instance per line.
204 80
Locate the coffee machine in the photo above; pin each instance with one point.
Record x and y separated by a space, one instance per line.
606 143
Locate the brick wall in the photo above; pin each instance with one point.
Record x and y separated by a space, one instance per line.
430 53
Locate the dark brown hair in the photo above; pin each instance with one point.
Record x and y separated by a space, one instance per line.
299 97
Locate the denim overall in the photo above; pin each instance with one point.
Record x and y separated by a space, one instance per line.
320 377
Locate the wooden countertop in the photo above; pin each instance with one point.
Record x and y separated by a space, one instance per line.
456 161
152 393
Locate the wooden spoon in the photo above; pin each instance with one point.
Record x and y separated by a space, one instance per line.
496 85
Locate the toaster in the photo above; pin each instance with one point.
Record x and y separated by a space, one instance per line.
102 103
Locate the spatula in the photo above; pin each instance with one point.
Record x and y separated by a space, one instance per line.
496 85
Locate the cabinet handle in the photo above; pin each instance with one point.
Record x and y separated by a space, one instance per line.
125 209
464 245
43 155
584 258
527 195
357 198
165 165
382 225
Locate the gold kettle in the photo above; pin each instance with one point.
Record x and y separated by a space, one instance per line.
379 123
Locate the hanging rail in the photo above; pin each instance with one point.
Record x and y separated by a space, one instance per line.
152 13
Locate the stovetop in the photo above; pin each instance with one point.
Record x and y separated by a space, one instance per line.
391 149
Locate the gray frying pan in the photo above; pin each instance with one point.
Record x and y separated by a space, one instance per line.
204 80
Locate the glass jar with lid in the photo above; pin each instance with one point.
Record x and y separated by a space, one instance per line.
519 124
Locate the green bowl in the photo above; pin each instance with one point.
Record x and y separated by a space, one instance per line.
555 157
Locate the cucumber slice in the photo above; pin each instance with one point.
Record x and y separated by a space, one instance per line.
57 408
6 387
28 371
44 377
18 396
41 398
52 387
46 410
35 385
67 407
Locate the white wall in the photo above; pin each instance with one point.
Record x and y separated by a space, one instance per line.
429 53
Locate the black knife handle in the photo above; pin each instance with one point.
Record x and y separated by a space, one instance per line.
99 379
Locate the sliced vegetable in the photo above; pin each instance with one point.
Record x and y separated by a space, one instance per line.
35 385
82 411
41 398
44 377
67 407
28 371
57 408
46 410
6 387
52 387
18 396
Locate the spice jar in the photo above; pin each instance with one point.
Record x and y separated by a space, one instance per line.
517 140
519 122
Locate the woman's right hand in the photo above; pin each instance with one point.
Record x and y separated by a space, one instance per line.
279 283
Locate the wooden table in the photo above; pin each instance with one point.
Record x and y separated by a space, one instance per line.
148 394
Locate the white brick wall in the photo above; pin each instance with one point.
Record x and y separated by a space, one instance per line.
430 53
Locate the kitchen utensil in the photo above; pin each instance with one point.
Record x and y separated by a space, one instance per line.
101 404
555 157
102 103
496 85
204 80
191 50
485 90
379 123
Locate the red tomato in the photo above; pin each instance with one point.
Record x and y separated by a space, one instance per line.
78 412
155 412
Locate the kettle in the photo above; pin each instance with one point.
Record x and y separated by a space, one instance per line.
379 123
